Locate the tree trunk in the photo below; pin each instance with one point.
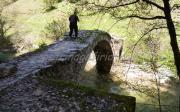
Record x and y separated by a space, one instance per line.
173 36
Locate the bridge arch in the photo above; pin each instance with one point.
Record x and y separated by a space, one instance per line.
100 43
104 57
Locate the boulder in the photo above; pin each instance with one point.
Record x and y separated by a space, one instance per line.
6 70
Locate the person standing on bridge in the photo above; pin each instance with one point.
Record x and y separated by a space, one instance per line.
73 19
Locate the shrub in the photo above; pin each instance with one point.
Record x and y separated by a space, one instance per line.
42 45
4 28
73 1
50 4
56 29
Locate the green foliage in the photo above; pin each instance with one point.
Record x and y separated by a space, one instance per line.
42 45
167 59
73 1
150 50
50 4
3 22
56 29
4 27
6 3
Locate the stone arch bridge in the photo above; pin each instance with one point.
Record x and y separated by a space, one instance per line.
64 59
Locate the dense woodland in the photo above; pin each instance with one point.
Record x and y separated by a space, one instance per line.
150 30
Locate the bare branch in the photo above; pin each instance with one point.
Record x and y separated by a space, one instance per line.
8 28
154 4
175 6
111 7
146 33
141 17
117 21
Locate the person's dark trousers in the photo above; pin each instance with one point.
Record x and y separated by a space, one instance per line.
73 28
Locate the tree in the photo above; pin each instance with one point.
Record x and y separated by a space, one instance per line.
2 27
5 27
143 10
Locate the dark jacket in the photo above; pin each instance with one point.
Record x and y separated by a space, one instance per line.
73 19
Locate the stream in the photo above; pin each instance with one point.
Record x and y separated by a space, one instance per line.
133 80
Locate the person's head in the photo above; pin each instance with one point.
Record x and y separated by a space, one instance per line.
75 12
